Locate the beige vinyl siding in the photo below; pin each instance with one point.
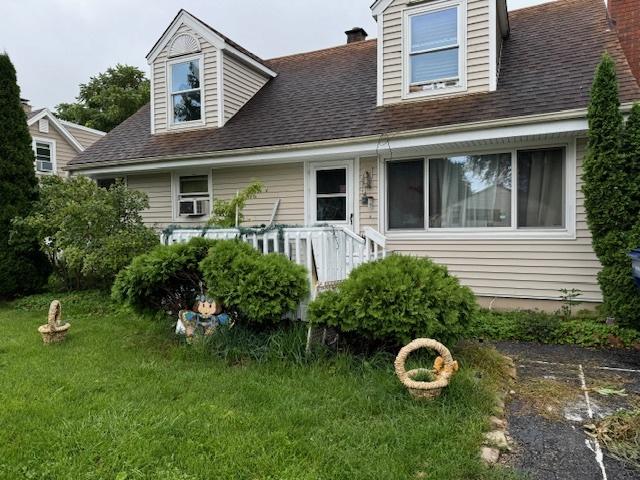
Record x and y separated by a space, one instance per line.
84 138
519 268
161 105
477 49
240 84
368 213
157 186
64 150
283 181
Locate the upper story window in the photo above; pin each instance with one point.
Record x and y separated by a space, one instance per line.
186 91
434 49
44 156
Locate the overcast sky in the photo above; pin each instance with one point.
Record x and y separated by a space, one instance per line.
58 44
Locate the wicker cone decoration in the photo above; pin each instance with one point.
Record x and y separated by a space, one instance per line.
54 331
443 368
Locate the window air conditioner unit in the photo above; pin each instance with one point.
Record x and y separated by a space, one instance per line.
194 207
44 166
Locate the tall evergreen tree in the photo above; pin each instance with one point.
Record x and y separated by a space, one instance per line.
21 266
611 192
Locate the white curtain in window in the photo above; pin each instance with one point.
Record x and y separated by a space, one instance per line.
470 191
541 188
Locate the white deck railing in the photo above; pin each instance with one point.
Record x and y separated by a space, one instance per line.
329 253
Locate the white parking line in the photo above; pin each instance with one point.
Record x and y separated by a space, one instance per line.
629 370
596 444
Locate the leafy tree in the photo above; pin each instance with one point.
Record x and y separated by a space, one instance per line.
224 211
89 233
611 192
21 270
108 99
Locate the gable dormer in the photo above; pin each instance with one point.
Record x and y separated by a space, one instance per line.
199 77
434 48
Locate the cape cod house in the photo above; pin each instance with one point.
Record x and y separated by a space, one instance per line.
56 142
458 134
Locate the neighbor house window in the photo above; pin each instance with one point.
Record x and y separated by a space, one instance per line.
434 49
44 156
331 195
475 192
186 91
193 195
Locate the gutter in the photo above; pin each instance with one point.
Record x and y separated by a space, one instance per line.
572 114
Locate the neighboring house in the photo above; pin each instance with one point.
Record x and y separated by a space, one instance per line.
459 135
56 142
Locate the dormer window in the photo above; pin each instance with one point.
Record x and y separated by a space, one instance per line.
435 49
186 91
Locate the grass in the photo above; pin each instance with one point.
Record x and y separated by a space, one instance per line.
122 399
620 435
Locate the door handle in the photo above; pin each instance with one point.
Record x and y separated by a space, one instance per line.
351 219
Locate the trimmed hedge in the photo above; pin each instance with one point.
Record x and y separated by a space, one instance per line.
398 299
167 278
261 288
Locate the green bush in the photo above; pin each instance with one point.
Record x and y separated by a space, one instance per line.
22 268
88 233
261 288
397 299
167 278
612 192
530 326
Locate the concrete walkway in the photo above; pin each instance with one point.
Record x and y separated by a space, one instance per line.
556 394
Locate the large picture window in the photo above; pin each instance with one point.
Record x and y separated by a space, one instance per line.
523 189
434 48
186 92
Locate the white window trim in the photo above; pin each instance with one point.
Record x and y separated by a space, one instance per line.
175 195
462 49
52 149
169 80
497 233
311 196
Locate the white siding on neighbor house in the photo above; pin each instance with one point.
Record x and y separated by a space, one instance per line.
84 137
478 58
64 151
161 107
519 268
282 181
240 85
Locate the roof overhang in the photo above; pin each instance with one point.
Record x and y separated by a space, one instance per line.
379 6
185 18
58 125
546 127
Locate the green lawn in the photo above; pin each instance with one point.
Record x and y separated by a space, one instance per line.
122 399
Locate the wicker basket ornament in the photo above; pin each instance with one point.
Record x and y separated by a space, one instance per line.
443 369
54 331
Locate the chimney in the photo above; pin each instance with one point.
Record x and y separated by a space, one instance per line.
356 34
625 16
25 105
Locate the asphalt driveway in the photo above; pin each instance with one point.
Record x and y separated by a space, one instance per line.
560 389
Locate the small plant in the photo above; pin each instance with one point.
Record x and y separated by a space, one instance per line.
396 300
228 213
569 301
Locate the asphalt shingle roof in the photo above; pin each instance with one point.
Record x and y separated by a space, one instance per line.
547 65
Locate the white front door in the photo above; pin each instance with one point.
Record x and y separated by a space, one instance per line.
331 193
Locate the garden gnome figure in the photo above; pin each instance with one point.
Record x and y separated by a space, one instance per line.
54 331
